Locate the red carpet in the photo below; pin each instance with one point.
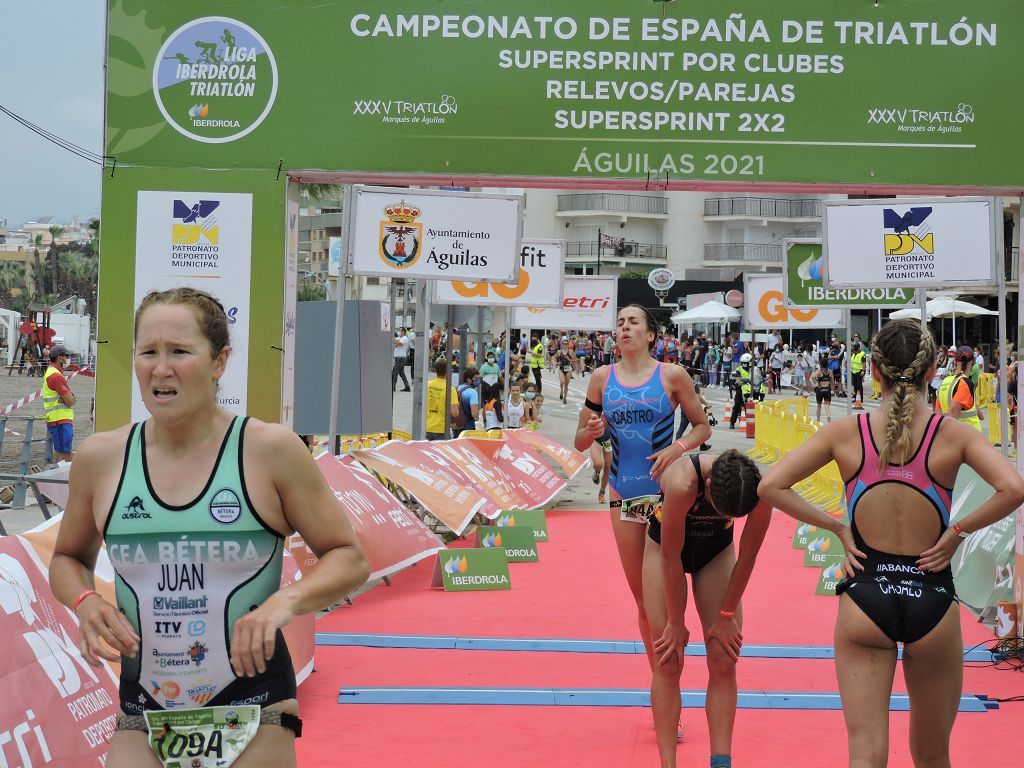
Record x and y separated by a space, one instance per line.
578 591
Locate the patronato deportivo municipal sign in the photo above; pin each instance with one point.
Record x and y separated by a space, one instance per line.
791 91
804 283
912 243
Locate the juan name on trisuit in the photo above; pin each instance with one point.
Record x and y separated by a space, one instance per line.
212 497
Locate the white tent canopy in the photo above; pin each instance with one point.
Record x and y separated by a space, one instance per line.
709 312
943 306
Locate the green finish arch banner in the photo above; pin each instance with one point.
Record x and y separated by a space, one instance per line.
792 92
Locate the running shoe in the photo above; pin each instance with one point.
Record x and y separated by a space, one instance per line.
600 497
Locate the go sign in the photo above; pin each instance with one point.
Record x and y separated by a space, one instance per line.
539 284
765 307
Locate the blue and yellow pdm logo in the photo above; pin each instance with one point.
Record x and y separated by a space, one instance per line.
908 233
194 222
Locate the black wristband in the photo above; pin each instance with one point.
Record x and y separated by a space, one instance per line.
595 407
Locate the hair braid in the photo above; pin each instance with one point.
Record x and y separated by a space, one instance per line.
734 480
905 375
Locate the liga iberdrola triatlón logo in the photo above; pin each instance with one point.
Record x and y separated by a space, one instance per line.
401 236
215 79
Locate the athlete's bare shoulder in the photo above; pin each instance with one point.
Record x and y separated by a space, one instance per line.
681 477
271 439
674 373
840 431
101 447
600 374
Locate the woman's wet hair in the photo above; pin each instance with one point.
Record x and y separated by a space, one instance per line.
734 479
652 322
210 314
901 353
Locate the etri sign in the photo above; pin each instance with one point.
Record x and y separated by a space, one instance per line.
589 303
804 283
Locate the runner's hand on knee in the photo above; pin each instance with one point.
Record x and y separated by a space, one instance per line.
727 632
673 640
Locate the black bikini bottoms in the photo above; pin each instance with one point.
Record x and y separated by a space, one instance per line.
903 601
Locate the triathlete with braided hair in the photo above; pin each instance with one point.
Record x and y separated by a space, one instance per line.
693 533
899 543
634 401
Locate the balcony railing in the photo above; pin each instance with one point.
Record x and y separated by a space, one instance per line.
763 207
631 250
744 253
613 201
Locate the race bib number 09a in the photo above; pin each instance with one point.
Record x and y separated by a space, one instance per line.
210 737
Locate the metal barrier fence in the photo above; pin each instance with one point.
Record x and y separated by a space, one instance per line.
782 425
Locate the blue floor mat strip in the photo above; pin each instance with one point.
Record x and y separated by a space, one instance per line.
751 651
598 697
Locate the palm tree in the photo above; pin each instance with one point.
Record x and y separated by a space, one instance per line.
93 246
79 269
37 267
51 256
12 275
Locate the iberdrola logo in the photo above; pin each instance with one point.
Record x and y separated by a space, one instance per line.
215 79
505 522
491 540
805 530
456 565
832 572
819 545
810 269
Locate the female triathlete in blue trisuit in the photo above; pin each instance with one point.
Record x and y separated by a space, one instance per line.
635 401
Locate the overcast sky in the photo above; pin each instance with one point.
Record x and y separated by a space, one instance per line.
51 60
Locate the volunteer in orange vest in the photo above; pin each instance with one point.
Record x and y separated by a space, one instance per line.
956 396
57 402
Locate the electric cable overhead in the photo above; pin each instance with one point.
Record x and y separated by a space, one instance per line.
85 154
